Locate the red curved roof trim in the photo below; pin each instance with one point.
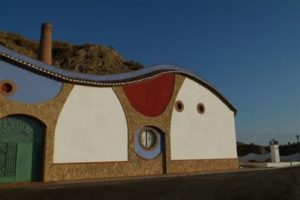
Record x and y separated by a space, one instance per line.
151 97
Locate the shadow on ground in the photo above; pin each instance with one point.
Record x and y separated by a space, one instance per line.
262 184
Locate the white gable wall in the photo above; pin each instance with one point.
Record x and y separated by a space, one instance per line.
210 135
91 127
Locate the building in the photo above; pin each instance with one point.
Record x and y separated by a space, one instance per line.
60 125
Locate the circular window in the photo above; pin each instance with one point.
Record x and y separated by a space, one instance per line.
179 106
200 108
7 87
148 142
148 138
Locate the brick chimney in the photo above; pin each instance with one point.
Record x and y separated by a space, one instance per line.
45 48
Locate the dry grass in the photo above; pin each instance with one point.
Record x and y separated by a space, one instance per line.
87 58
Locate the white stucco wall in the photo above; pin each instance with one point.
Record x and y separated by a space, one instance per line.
91 127
202 136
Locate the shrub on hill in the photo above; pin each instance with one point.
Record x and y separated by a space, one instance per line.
87 58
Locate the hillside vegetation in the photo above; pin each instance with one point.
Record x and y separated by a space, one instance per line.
286 149
87 58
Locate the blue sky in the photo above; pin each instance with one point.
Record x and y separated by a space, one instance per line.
248 49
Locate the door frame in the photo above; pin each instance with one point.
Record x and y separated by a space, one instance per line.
37 157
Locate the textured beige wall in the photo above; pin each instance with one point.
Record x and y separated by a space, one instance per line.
135 166
49 111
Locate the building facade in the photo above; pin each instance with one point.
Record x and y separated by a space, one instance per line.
58 125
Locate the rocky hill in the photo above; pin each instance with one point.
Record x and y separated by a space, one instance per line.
87 58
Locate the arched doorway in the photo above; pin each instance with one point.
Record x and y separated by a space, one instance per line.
21 149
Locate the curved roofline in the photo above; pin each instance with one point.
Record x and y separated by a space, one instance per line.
104 80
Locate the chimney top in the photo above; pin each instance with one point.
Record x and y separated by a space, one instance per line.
46 24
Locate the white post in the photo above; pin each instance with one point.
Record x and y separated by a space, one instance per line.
275 153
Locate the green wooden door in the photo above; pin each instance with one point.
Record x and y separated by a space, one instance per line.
21 149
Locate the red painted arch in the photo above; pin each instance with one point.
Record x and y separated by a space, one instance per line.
151 97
